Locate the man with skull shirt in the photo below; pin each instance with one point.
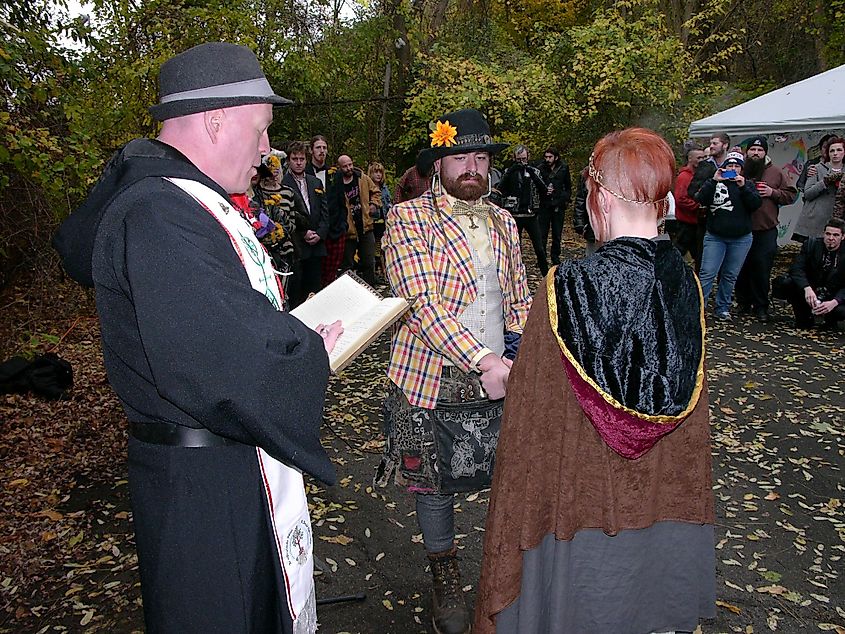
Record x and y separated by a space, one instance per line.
730 200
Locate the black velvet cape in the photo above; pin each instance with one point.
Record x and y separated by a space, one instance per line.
631 318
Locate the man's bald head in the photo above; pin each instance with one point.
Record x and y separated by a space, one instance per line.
344 164
225 144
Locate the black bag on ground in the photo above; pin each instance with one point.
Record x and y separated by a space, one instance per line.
47 375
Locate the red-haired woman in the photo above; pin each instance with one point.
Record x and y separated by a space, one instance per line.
601 516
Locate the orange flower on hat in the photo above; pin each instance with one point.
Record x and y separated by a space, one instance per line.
444 134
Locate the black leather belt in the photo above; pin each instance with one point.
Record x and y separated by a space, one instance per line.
177 435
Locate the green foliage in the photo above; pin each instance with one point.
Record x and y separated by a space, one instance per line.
337 88
580 83
35 343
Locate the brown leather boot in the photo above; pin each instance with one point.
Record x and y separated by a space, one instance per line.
449 610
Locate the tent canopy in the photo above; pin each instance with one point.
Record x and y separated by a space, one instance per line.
815 103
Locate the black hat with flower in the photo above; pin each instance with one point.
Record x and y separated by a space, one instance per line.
459 132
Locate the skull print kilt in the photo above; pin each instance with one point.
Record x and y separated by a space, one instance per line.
448 449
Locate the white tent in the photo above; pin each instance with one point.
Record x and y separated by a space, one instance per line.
817 103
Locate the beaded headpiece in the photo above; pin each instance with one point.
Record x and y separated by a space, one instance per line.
596 175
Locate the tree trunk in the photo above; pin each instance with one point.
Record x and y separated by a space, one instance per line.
383 119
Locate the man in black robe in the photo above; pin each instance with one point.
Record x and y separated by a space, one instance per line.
216 382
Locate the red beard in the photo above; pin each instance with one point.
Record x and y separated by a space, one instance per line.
465 187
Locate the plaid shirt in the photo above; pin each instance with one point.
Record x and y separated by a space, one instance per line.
427 259
411 185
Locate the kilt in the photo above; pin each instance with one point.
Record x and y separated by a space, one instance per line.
334 257
448 449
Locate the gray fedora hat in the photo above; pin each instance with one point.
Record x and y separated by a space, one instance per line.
210 76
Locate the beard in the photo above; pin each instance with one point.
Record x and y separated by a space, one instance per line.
465 187
754 168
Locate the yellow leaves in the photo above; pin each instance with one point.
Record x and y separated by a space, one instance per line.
387 604
343 540
728 606
51 515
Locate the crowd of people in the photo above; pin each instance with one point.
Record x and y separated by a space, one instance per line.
727 205
314 216
590 398
724 217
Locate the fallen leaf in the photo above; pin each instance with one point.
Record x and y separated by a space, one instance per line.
729 606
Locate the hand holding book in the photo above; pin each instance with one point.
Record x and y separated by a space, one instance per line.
330 334
363 313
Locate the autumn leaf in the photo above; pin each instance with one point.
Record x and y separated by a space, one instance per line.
343 540
728 606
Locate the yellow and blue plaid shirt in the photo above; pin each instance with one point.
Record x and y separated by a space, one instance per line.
427 259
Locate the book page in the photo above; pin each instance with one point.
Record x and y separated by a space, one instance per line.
359 333
364 315
343 299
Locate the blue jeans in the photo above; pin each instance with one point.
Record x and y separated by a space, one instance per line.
436 517
725 255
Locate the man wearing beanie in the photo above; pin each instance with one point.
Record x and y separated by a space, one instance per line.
224 392
730 201
752 286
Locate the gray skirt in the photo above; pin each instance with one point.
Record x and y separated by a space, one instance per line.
655 579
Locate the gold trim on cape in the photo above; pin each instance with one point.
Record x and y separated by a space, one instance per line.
661 419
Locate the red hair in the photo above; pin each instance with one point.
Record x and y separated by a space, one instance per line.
635 163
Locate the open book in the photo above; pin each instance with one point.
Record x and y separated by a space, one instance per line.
364 313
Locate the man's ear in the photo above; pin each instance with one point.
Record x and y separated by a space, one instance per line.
213 122
437 166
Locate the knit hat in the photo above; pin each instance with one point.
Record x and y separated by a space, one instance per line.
761 141
733 157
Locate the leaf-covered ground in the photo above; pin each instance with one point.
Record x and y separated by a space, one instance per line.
67 560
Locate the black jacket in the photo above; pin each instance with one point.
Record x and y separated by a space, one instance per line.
581 219
336 200
807 270
729 210
524 183
558 176
703 173
318 217
186 338
312 171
